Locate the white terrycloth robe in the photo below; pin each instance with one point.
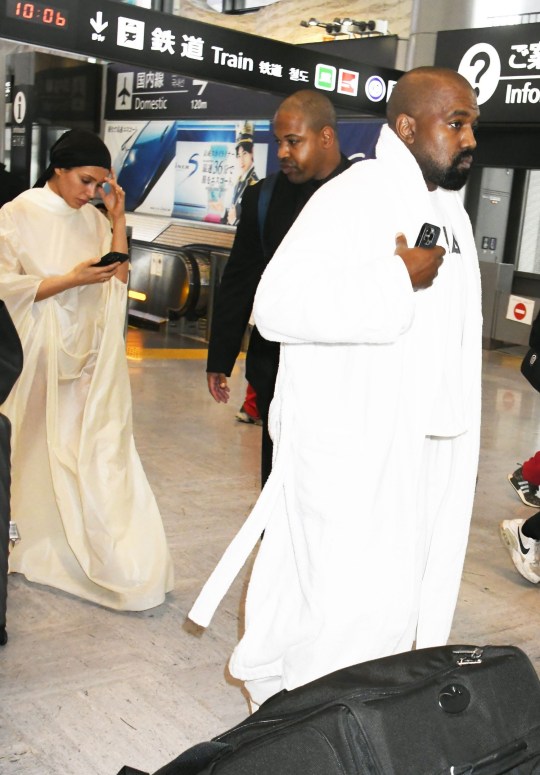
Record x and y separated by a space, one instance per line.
375 422
88 520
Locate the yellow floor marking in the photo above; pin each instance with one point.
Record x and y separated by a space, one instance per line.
138 353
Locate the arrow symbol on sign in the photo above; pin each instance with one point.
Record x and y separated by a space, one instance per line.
98 24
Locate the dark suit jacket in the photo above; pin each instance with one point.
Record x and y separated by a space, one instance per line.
11 362
10 185
242 274
11 355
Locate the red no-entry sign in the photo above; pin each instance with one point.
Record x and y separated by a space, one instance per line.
520 310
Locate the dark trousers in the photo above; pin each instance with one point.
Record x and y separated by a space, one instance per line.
531 527
264 399
5 484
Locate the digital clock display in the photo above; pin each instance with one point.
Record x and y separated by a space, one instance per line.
40 13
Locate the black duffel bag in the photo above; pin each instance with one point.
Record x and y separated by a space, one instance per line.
530 365
11 363
530 368
450 710
11 354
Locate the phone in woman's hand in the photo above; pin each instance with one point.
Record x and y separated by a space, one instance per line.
112 258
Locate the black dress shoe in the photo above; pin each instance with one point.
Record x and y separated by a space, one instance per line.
3 636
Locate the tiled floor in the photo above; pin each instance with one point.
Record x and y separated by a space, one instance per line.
84 690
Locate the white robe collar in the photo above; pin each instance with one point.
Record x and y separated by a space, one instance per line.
47 199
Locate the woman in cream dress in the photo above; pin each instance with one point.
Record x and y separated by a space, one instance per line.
88 521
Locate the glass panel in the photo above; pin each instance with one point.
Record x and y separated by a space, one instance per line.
529 250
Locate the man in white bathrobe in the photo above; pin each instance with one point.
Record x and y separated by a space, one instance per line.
376 414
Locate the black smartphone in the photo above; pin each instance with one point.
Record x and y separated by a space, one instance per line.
112 258
428 236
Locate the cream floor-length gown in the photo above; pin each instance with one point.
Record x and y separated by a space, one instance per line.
88 520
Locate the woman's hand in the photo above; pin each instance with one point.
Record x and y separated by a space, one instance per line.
114 199
85 273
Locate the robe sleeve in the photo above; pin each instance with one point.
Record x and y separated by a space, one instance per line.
335 278
17 289
104 232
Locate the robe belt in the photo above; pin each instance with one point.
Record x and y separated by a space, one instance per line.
237 552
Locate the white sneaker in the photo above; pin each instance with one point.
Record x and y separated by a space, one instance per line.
524 551
243 416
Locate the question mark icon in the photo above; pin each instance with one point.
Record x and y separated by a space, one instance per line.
484 59
481 66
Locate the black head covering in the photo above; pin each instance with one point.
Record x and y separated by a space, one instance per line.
76 148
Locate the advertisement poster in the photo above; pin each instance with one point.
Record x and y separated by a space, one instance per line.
143 154
214 164
188 169
203 176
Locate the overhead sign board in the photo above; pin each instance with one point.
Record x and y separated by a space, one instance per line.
503 66
125 33
136 93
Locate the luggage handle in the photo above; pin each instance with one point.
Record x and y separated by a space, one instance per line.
498 762
469 656
191 762
195 759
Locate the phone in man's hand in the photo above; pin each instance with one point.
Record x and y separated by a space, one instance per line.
428 236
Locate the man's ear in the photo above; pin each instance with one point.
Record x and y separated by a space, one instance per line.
405 128
327 136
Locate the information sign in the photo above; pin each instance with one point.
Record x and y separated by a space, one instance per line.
503 66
